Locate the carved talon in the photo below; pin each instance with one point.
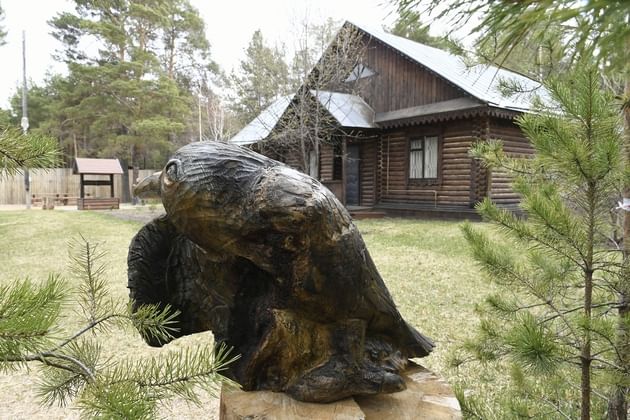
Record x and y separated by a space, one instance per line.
336 380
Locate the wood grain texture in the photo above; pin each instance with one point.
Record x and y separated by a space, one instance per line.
239 405
426 397
269 260
408 83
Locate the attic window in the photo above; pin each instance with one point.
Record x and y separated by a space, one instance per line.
360 71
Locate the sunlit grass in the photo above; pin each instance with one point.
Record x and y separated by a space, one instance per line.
425 264
35 243
435 283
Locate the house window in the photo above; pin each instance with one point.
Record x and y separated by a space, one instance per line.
360 71
423 157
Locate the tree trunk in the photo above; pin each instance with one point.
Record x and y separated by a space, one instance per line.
125 194
135 171
171 55
585 355
618 401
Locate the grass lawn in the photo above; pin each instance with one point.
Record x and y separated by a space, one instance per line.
425 264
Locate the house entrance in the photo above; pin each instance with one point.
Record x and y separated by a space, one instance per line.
352 175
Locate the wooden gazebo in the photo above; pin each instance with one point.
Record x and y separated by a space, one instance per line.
85 166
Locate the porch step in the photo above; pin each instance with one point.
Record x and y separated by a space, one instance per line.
428 211
366 214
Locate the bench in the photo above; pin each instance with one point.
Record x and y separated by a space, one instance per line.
54 198
98 203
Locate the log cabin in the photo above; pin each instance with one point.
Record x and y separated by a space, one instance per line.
402 144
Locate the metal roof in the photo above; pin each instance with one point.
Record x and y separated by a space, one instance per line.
459 104
96 166
262 125
481 81
349 110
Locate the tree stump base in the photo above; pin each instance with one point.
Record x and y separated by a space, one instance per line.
427 397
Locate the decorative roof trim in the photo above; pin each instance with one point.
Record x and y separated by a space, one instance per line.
481 110
451 105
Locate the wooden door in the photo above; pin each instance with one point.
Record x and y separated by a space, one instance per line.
352 175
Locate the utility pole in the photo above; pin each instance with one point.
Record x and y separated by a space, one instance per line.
199 114
27 178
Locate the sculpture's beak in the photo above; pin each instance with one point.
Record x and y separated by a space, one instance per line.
148 187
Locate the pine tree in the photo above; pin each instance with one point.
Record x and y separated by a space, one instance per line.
559 269
595 30
263 77
74 367
19 150
133 98
311 41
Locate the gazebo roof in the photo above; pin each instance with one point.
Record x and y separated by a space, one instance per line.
96 166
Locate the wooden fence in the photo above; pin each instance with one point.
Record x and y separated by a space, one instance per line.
57 183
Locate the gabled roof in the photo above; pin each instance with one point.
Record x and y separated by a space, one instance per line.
262 125
480 81
96 166
348 110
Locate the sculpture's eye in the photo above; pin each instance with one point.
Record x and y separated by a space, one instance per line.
172 171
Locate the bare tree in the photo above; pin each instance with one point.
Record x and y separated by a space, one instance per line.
333 83
216 116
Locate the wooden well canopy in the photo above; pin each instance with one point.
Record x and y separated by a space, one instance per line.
88 166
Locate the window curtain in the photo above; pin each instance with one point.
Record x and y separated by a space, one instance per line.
415 159
430 157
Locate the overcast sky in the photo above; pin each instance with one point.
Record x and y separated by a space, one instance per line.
229 27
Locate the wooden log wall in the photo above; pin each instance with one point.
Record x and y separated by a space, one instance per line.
293 160
514 144
401 82
454 186
55 182
326 159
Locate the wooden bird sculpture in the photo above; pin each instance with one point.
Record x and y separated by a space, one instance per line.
270 261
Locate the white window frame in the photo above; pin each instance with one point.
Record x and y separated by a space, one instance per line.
418 168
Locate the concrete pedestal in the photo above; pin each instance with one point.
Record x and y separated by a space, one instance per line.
426 397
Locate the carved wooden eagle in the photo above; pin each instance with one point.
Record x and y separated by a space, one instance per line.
270 261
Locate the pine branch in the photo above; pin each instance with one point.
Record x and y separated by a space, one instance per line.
87 266
27 316
174 374
505 219
577 308
18 150
44 357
